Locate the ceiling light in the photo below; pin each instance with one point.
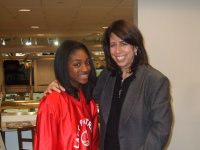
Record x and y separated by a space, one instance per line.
105 27
28 42
20 54
3 42
53 41
56 43
35 27
26 10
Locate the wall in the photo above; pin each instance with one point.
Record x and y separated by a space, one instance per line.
171 31
43 73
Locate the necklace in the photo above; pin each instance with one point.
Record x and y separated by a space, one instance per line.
123 78
120 90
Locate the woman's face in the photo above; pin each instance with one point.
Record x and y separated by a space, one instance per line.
121 52
79 67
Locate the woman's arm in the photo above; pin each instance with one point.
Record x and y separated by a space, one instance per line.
161 115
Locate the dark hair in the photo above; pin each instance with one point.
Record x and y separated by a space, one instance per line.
130 34
62 73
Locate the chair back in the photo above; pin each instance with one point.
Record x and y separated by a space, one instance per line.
22 139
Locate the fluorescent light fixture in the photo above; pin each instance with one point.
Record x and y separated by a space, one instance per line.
105 27
20 54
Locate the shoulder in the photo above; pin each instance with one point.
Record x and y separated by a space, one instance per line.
151 73
51 97
103 78
104 73
153 79
52 101
101 81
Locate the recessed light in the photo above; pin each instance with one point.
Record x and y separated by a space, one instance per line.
24 10
35 27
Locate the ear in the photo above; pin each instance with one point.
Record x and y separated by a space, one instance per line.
135 51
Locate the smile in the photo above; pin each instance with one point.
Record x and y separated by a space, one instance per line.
120 58
83 76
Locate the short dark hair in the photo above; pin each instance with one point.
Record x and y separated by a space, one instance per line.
61 69
130 34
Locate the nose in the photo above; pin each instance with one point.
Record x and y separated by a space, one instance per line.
118 48
85 68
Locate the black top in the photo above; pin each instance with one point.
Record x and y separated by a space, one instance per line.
120 90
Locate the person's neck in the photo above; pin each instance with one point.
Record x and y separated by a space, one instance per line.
125 74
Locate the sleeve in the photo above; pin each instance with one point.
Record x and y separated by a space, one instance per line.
95 136
161 115
46 127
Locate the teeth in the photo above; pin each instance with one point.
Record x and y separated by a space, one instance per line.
120 57
84 76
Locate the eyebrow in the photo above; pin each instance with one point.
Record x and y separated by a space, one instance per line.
77 59
117 41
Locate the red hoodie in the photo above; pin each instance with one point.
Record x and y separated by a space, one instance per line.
64 123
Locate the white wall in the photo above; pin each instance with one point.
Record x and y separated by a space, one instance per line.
171 30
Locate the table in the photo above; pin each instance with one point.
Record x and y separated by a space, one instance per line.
11 121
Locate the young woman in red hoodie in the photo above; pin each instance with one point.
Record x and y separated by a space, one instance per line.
69 120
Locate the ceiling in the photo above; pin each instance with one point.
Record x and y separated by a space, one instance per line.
59 19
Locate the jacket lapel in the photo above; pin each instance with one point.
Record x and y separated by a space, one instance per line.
107 99
131 97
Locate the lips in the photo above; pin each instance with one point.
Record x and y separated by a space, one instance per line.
120 58
83 76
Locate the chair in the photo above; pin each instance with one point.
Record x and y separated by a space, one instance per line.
22 139
2 146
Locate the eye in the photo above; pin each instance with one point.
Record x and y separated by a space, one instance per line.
123 43
77 65
112 45
88 62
